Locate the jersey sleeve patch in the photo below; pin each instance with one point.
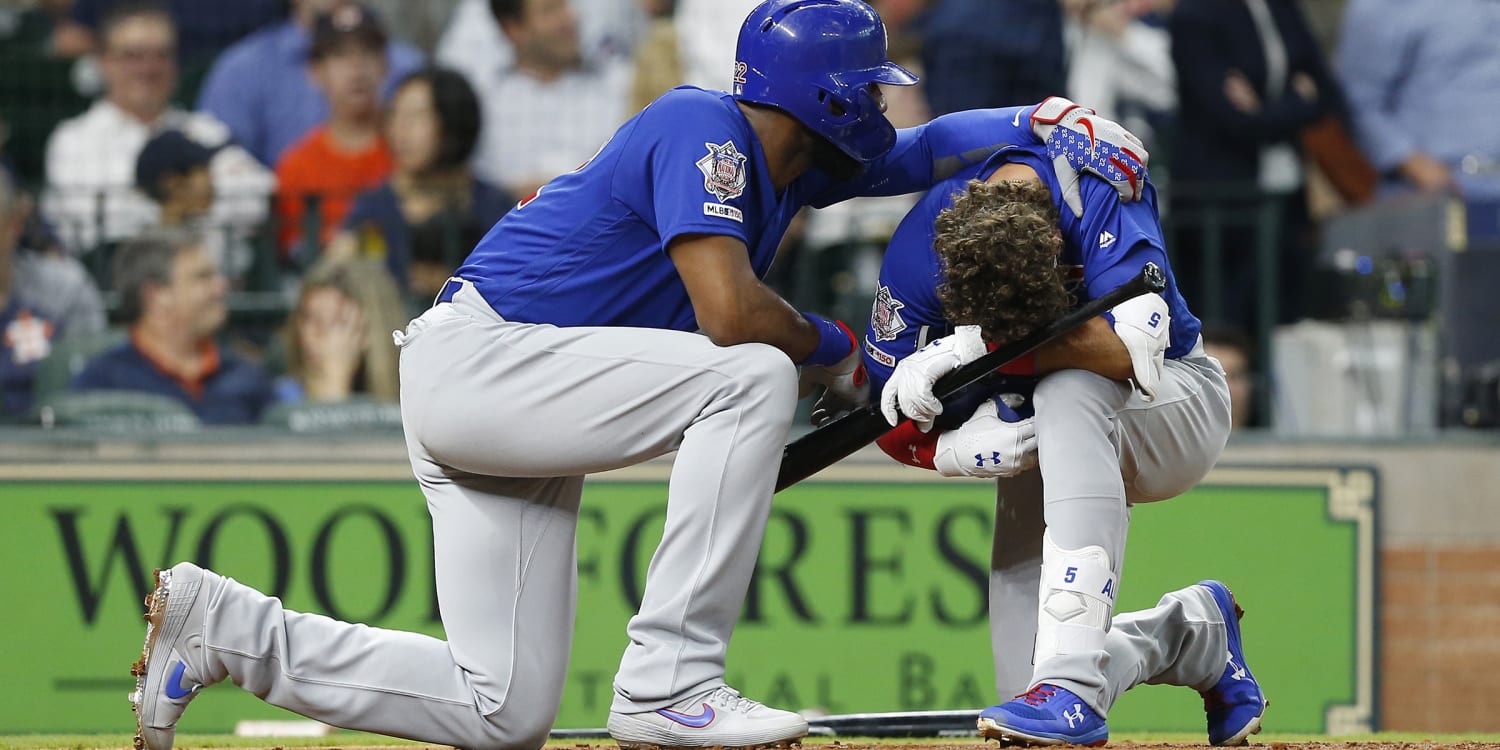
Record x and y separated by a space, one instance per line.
885 317
723 212
878 355
723 171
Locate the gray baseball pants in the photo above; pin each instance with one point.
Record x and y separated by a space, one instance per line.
1101 447
502 421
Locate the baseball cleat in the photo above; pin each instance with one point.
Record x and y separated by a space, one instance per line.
167 675
718 718
1236 703
1048 715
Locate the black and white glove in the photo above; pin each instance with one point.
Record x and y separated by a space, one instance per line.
1079 140
995 442
846 387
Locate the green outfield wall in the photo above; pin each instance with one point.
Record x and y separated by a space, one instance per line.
868 596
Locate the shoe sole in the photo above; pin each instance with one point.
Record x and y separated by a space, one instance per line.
1242 737
1232 625
777 744
1008 737
156 612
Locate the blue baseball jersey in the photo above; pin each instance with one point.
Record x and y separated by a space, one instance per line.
589 248
1107 246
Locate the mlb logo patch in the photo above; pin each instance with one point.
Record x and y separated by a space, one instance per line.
885 317
723 171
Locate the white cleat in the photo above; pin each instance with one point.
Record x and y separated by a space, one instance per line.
718 718
166 677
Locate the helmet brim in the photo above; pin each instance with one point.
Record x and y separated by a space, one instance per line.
887 73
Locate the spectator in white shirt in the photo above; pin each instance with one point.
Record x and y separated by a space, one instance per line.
707 31
91 158
1119 64
472 44
549 111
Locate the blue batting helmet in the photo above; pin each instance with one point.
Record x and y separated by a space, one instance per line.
815 60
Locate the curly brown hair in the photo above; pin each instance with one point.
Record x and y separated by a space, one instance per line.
998 246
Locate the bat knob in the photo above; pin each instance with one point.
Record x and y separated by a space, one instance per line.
1156 279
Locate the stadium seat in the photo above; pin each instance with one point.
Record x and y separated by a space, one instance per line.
118 411
69 356
354 414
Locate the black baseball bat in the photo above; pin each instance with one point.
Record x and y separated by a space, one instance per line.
834 441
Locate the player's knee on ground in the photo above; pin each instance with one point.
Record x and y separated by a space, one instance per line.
518 730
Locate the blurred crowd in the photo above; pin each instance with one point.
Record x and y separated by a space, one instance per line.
228 206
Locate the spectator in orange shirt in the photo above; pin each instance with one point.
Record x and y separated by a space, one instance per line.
347 154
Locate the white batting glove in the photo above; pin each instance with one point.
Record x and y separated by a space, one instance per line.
846 387
1079 141
909 389
987 446
1143 324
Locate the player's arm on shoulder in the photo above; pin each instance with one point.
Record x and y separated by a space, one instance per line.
732 305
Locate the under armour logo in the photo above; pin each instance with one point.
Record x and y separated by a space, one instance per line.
1238 672
979 459
1075 718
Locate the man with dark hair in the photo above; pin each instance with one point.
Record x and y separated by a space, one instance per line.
613 316
173 297
551 109
608 30
989 255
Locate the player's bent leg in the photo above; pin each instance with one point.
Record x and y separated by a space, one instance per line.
1168 445
1064 705
670 689
488 396
1235 703
1191 638
479 689
191 609
1086 517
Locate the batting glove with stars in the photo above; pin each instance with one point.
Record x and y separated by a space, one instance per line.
1079 140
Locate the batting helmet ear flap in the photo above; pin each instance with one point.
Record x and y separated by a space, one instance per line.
804 56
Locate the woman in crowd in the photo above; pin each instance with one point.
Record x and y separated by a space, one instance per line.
432 126
338 336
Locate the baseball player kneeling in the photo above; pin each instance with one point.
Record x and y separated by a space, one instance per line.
1125 409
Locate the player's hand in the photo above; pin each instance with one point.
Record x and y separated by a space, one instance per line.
995 442
1079 141
846 387
1143 324
909 390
